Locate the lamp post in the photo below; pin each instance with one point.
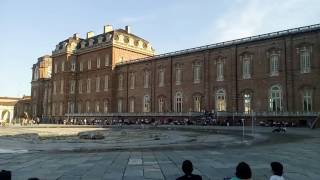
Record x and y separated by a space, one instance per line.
242 120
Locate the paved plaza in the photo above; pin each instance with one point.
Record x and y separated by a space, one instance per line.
298 150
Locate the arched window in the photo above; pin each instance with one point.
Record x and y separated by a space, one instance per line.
307 100
247 102
221 100
161 104
146 103
275 99
178 102
197 103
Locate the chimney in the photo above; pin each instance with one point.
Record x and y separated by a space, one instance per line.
107 28
128 29
90 34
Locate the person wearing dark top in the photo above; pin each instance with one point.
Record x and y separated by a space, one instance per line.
243 172
187 168
5 175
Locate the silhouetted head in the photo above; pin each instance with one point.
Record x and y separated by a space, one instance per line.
243 171
187 167
277 168
33 179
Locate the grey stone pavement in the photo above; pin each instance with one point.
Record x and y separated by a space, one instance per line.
301 160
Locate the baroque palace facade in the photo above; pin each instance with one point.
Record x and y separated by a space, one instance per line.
118 72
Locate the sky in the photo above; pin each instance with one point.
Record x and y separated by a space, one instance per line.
30 29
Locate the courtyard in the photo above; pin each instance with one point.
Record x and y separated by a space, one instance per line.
146 152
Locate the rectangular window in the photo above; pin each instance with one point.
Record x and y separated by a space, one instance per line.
62 66
98 84
107 60
97 107
105 106
197 104
120 105
178 76
81 66
161 78
146 79
106 82
54 87
220 76
88 85
89 64
247 103
80 86
246 68
196 74
72 86
79 108
61 86
161 104
274 65
87 106
73 65
98 62
131 105
132 80
60 109
55 68
305 61
307 101
120 82
53 109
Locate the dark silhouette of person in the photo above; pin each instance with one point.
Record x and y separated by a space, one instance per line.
5 175
187 168
33 178
243 172
277 170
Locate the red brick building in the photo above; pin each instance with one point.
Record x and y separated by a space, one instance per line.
117 72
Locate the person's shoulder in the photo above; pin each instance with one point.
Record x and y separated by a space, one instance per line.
275 177
181 178
197 177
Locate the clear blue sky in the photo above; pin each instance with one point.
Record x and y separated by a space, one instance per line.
30 29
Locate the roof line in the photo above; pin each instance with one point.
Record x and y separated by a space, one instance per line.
230 42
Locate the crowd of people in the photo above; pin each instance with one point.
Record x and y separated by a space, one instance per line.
242 172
